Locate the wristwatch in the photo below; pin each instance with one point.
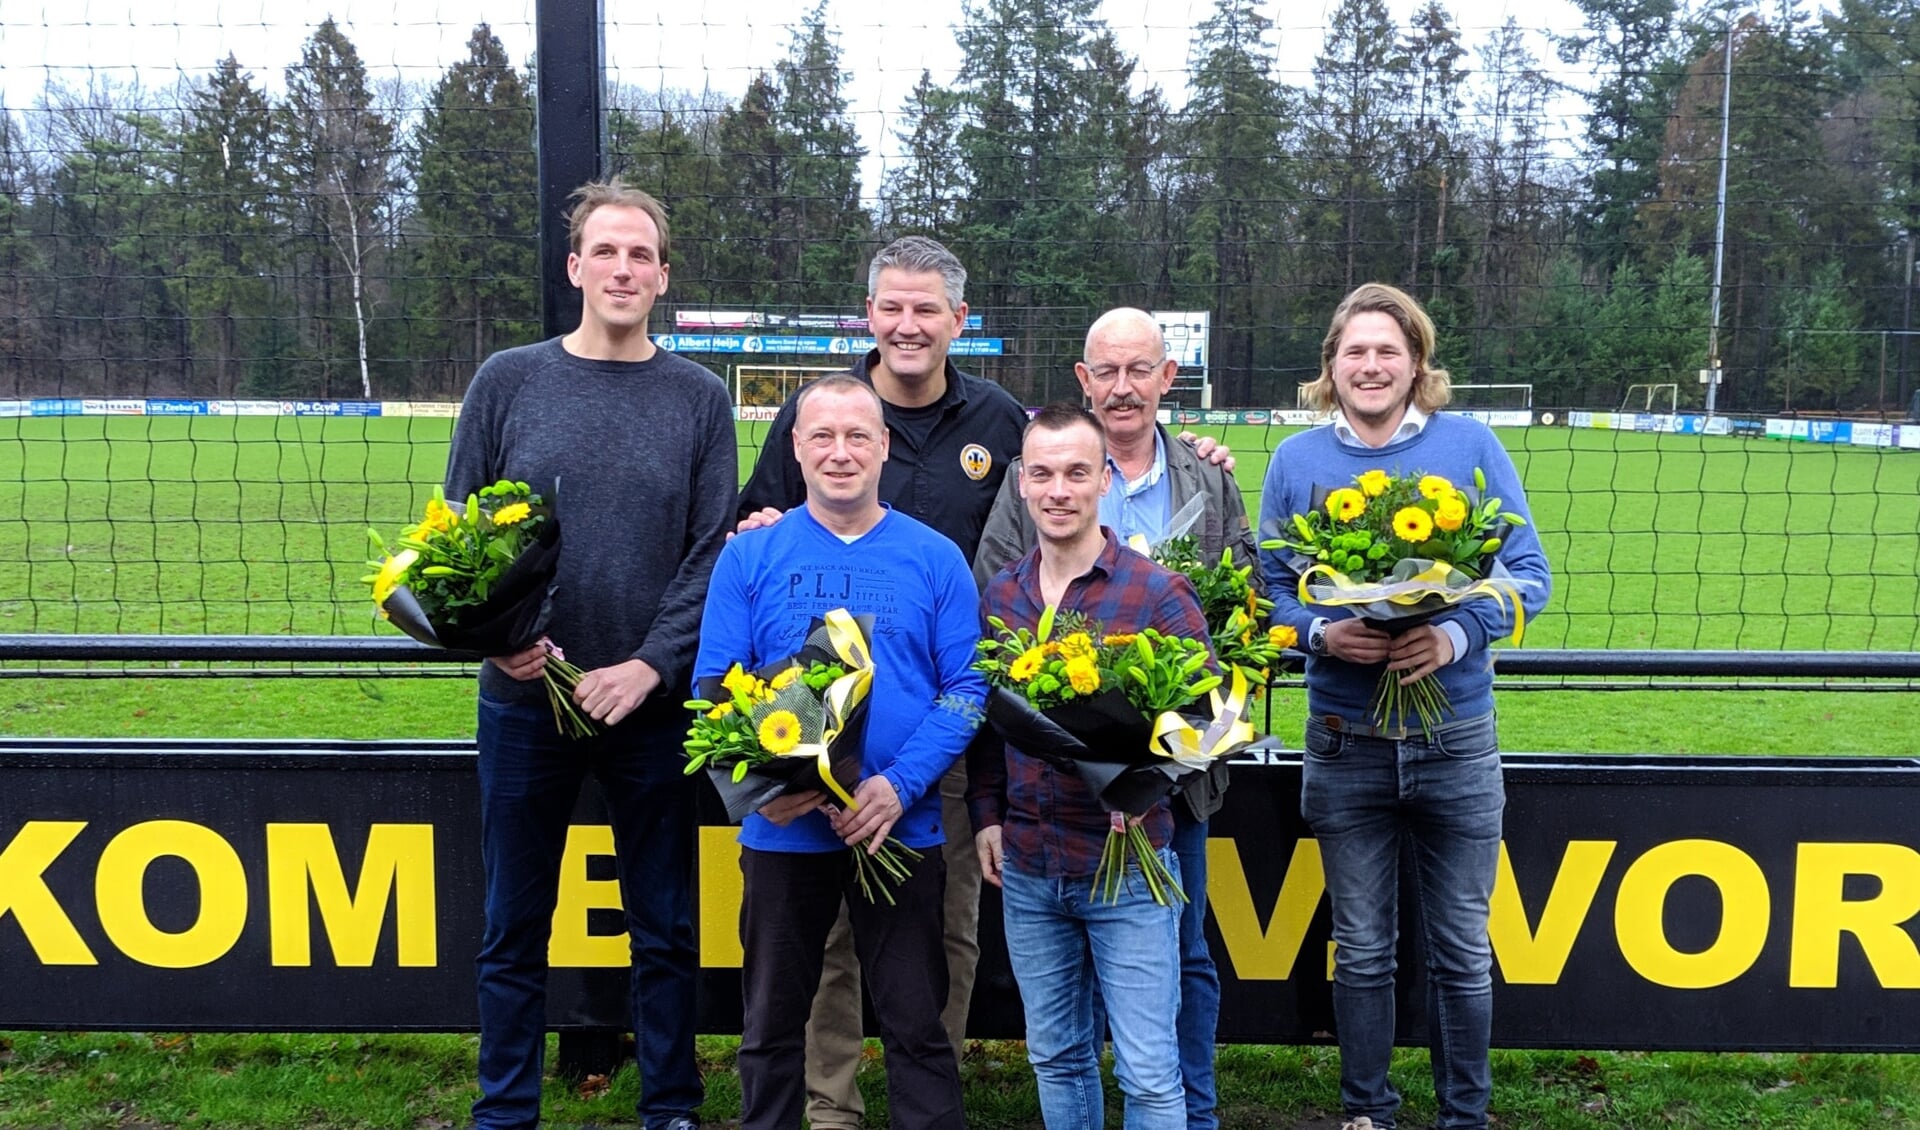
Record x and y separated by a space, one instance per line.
1317 637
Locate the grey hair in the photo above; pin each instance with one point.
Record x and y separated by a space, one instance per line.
916 254
832 382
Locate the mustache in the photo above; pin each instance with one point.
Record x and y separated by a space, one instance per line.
1123 400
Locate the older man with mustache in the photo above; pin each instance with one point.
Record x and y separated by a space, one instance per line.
1124 372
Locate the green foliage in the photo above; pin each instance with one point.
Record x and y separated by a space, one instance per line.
475 183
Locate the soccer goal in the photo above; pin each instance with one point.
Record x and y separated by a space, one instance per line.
767 387
1513 397
1646 398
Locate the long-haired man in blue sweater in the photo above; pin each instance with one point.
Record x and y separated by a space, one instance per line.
1371 790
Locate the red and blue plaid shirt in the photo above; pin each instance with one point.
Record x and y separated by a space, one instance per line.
1051 824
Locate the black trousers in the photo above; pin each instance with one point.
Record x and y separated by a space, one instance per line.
790 902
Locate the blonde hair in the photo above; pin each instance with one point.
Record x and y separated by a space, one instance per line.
1432 387
615 193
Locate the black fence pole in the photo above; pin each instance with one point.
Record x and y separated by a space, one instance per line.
570 134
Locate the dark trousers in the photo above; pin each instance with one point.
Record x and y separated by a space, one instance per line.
791 901
530 777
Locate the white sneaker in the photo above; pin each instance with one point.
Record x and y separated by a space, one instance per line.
1360 1123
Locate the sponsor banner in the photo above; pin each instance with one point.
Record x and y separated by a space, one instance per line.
54 406
1908 435
1872 435
1603 420
710 320
1498 417
1830 431
443 409
1640 902
359 407
1581 419
243 407
808 345
762 412
176 407
113 407
11 408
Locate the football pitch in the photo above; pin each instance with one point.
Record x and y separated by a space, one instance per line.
258 525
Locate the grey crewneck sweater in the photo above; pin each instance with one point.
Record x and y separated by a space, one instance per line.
637 460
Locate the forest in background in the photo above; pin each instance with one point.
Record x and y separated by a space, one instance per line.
330 235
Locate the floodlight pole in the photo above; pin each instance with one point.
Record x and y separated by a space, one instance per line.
1720 223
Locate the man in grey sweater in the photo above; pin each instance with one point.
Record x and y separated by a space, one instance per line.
633 449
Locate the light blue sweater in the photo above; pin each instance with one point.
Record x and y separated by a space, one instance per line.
1451 446
926 699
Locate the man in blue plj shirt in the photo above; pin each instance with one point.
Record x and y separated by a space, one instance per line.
845 549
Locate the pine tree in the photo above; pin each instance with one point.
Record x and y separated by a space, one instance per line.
923 191
229 228
1234 190
476 186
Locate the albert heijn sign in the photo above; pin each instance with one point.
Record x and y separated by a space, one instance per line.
1731 903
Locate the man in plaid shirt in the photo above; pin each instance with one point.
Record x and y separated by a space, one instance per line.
1039 830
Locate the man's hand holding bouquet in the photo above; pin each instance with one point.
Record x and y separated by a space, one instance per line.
478 576
1112 709
1401 550
787 736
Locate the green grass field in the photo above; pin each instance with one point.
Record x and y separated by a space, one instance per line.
258 525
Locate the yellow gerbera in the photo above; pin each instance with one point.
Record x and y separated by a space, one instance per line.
1076 645
1346 504
785 679
1434 487
1028 665
393 572
737 681
1374 483
1083 675
1410 523
1451 513
1283 635
511 514
779 732
1118 639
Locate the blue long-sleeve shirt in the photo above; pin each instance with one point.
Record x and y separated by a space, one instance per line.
1450 446
926 700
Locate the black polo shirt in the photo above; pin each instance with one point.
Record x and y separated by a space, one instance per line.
948 479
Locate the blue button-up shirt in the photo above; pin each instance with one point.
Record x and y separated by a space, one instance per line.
1143 506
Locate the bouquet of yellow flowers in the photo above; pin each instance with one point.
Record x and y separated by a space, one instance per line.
478 577
796 725
1108 707
1238 616
1401 550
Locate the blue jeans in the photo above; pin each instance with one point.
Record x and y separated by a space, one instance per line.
1441 801
530 778
1199 980
1060 940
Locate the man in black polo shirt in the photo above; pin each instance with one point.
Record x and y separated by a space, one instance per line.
953 435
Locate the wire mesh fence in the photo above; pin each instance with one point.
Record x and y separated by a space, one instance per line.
296 220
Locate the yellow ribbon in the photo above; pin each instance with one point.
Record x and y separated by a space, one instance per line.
843 695
1431 581
1176 738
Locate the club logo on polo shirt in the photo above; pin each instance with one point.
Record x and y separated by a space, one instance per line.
976 461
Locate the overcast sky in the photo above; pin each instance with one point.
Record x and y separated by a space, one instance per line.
693 45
